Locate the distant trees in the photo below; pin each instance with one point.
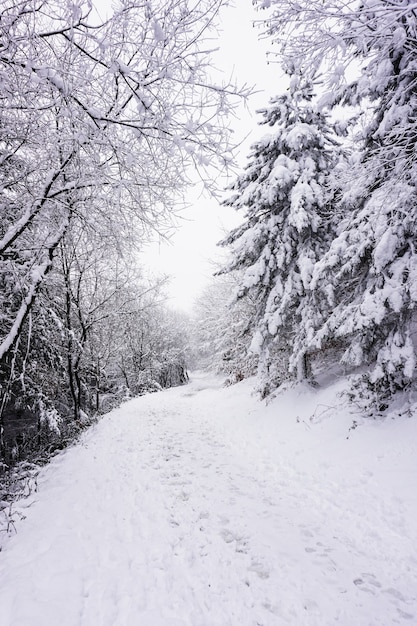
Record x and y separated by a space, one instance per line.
100 121
345 276
222 330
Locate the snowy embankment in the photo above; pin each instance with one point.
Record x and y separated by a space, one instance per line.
201 506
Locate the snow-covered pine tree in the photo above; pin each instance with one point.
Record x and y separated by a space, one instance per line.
286 196
370 271
366 52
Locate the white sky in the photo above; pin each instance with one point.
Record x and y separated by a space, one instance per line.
189 257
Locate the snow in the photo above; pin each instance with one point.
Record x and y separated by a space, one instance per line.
385 249
300 136
49 417
283 171
202 506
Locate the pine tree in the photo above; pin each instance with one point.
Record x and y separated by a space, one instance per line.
366 54
286 195
369 272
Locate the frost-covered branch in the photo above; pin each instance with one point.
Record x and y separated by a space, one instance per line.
37 277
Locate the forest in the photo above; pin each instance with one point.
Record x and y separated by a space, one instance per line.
105 122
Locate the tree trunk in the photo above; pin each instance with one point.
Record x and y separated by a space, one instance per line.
304 367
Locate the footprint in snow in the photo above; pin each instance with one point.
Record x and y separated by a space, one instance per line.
241 543
259 569
228 536
404 614
319 550
368 583
395 594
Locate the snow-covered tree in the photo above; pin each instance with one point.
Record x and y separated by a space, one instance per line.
100 123
149 347
367 51
222 330
286 195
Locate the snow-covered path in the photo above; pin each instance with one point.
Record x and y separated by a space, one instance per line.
184 508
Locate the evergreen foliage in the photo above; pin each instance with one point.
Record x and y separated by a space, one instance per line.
286 194
369 270
328 243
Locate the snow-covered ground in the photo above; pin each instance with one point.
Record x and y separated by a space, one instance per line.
201 506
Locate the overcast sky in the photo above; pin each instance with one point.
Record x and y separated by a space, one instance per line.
190 255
